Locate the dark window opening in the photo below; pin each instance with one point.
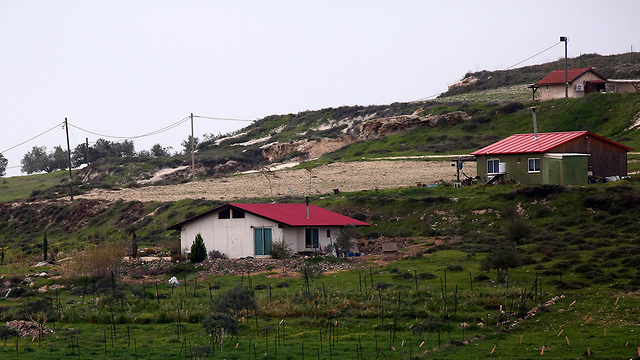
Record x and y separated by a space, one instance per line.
224 214
238 214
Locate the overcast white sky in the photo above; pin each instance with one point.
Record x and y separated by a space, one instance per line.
126 68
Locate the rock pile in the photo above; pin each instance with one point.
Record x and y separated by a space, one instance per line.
28 328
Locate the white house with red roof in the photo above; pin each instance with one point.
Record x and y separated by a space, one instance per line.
243 230
564 158
581 82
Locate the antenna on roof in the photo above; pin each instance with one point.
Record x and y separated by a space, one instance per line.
307 197
535 123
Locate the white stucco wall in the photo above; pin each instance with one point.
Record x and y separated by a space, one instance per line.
234 237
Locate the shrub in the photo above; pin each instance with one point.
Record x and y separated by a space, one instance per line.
455 267
345 238
97 260
235 300
426 276
501 260
198 250
215 254
281 250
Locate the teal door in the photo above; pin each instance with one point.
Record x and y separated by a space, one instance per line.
262 240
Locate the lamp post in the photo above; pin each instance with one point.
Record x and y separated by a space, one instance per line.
566 80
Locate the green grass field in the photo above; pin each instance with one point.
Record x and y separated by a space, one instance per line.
403 315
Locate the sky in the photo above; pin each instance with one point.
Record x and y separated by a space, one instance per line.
128 68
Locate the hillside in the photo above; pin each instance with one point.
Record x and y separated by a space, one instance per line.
348 134
572 253
619 66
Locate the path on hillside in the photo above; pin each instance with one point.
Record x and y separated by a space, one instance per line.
347 177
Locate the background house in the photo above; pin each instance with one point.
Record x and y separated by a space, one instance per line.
241 230
581 82
564 158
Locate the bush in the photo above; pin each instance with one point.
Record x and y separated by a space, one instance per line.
455 267
97 260
198 250
235 300
215 254
280 250
345 238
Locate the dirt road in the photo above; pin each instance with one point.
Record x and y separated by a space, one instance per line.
347 177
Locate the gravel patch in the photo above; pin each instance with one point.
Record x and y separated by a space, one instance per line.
347 177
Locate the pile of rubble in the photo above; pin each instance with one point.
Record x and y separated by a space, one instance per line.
254 265
28 328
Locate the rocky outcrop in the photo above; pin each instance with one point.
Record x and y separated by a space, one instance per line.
307 148
381 127
370 129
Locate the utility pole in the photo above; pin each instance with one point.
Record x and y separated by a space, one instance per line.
66 127
193 156
566 69
87 149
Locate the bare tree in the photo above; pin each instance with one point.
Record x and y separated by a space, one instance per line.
269 174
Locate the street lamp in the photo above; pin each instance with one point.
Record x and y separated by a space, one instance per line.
566 80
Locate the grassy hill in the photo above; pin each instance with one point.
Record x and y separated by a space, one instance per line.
577 275
609 115
619 66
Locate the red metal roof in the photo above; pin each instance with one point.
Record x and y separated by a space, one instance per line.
288 214
557 76
526 143
296 214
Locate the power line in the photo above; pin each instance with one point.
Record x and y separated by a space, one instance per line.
531 57
26 141
217 118
155 132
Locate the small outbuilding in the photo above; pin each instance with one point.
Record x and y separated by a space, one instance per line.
562 158
243 230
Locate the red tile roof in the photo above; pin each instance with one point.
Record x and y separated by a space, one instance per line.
525 143
557 76
288 214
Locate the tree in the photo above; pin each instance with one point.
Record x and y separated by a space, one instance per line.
35 160
198 250
45 247
345 238
3 165
79 155
58 159
501 260
214 323
158 151
186 144
7 332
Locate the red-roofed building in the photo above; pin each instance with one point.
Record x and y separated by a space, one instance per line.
581 82
565 158
241 230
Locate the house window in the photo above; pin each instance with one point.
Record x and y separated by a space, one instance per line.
238 214
311 238
547 88
224 214
262 239
493 166
534 165
328 233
